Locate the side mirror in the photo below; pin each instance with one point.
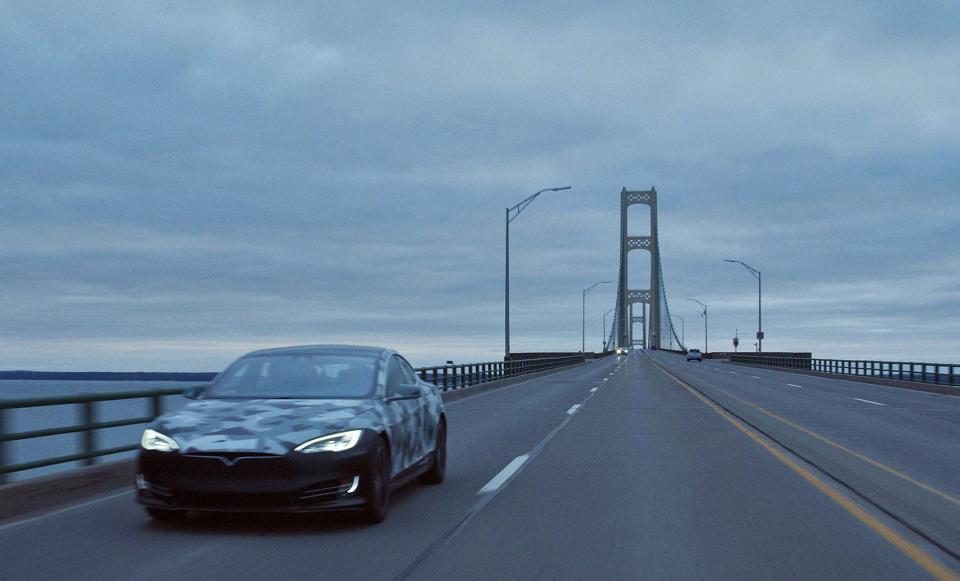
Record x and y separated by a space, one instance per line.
406 391
195 392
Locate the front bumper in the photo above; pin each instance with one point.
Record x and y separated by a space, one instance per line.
250 481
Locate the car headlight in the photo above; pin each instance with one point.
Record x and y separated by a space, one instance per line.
333 443
157 442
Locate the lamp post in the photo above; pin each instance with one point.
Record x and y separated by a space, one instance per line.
515 210
756 274
583 315
683 331
705 335
605 327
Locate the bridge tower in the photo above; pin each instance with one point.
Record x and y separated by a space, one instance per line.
649 298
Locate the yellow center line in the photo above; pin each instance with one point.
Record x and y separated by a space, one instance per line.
858 455
908 548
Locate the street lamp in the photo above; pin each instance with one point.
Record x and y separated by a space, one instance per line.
506 283
605 327
583 315
683 331
756 274
704 315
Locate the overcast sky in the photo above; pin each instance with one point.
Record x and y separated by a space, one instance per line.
183 182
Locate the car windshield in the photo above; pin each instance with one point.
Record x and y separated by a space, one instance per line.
297 376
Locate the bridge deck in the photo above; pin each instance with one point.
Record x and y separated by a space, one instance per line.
642 478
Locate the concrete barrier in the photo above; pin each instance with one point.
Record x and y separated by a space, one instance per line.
45 493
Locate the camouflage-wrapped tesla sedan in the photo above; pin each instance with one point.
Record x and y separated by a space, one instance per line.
297 429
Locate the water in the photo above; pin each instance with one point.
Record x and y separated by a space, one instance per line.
38 418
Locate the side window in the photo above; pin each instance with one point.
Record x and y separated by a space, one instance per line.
394 375
409 375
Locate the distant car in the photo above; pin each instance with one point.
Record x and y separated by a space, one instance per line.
296 429
622 351
694 355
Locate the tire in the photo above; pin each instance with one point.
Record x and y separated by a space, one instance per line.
164 515
377 488
438 468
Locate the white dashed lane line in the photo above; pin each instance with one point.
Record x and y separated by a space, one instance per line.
593 389
504 475
794 385
868 401
573 409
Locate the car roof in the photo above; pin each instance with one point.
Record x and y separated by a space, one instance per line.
319 349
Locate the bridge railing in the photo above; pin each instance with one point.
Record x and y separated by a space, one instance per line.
88 426
448 377
933 373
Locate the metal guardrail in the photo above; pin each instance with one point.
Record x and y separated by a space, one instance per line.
447 377
87 427
933 373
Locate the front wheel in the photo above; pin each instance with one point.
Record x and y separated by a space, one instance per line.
438 469
378 484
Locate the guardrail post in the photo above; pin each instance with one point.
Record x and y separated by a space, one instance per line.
88 434
446 378
4 461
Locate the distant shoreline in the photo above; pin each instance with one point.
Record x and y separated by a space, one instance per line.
108 375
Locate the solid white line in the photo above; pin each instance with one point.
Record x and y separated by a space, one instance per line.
594 389
868 401
66 509
573 409
502 476
794 385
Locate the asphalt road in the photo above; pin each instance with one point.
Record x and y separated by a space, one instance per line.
611 470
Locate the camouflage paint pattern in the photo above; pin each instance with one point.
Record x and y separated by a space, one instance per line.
277 426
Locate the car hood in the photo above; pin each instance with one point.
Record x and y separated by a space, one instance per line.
274 426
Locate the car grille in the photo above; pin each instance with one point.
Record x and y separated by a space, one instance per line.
232 499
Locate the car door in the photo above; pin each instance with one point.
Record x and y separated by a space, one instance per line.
403 418
424 434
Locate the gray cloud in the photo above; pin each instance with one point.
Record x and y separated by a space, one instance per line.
181 182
